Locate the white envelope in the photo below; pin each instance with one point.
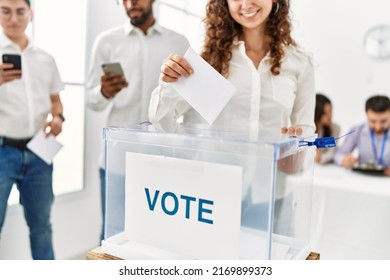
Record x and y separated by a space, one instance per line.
206 90
44 147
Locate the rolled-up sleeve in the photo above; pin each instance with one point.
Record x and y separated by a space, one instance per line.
303 112
166 106
95 99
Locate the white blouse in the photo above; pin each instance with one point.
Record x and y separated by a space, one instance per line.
262 100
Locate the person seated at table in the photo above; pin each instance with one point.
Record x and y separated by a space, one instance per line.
371 139
325 127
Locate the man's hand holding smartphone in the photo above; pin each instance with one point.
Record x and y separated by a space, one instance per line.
113 80
11 69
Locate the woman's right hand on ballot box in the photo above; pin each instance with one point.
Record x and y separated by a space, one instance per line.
174 67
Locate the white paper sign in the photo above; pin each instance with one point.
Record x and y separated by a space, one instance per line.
188 207
206 90
44 147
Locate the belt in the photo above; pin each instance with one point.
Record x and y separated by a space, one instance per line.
15 143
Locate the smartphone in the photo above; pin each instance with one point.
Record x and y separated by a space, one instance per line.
14 59
113 67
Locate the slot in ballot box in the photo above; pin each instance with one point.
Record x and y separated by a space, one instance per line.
203 194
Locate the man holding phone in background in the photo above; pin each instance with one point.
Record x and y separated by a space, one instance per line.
139 46
27 96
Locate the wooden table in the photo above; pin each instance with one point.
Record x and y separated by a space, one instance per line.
97 254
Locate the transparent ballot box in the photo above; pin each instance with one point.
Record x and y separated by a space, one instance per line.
203 194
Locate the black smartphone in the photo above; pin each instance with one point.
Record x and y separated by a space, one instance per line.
14 59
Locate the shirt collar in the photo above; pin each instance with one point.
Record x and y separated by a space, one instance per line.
367 131
241 46
155 28
5 42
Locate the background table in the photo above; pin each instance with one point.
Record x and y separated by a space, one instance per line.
350 215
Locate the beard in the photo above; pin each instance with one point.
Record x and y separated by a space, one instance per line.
140 20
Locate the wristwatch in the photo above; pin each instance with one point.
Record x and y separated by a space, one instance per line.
61 116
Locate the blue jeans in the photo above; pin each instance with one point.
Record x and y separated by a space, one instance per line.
33 178
113 209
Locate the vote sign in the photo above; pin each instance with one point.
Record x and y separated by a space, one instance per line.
189 207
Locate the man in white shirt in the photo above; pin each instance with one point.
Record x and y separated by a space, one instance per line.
139 46
27 97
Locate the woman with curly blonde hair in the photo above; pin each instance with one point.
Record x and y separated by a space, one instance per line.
249 42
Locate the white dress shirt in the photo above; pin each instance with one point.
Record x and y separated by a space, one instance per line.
262 100
141 57
25 103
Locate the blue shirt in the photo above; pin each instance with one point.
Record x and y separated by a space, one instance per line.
361 140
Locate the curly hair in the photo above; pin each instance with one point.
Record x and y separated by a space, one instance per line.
221 30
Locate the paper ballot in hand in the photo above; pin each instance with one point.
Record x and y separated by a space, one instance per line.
44 147
206 90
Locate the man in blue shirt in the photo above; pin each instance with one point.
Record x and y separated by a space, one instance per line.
371 139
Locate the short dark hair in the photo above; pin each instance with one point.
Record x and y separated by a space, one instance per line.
28 2
378 103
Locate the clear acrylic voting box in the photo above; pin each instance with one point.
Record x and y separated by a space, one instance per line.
202 194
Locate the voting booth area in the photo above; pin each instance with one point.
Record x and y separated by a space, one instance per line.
202 194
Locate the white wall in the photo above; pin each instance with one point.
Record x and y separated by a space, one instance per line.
333 31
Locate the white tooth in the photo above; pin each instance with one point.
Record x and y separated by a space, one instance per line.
248 14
